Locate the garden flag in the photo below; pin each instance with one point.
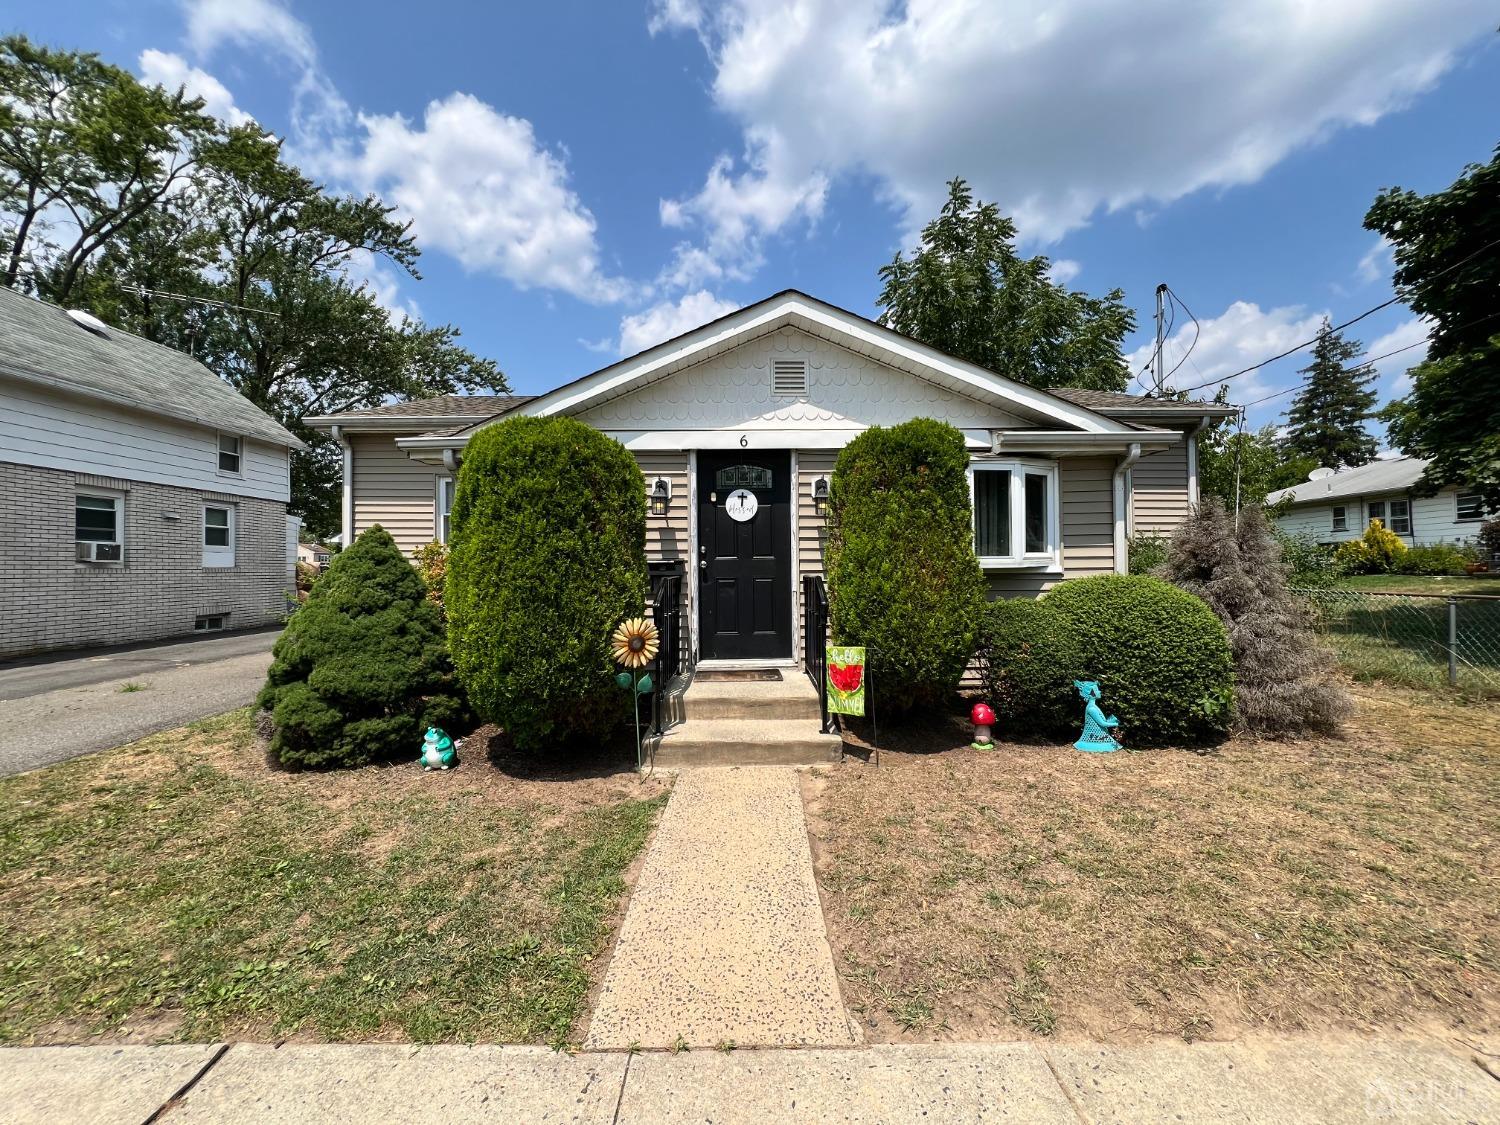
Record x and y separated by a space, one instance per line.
846 680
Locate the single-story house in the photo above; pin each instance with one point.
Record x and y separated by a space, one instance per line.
314 554
141 495
736 426
1334 507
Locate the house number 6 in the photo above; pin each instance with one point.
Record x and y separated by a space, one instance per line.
744 441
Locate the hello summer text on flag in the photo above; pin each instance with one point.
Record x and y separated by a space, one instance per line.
846 680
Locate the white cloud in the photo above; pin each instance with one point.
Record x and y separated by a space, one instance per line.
1241 335
479 186
161 68
667 319
1055 109
1409 341
1378 262
1064 270
476 183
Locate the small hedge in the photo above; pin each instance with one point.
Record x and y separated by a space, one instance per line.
1377 551
362 669
547 555
1160 655
903 579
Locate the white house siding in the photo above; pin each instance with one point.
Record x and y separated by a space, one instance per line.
52 430
1159 496
48 600
1434 519
392 490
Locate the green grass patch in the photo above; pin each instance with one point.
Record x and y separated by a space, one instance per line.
180 889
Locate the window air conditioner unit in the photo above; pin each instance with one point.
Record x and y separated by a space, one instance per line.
99 552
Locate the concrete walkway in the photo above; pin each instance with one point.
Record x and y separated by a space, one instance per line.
57 707
1285 1081
723 940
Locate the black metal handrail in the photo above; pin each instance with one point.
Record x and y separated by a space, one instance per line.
815 639
666 614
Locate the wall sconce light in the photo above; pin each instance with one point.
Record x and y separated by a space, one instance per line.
661 495
820 496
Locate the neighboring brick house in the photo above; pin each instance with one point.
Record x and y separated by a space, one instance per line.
140 495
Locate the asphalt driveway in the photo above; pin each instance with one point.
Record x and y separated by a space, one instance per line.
58 707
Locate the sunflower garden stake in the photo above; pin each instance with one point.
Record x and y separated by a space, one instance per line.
634 647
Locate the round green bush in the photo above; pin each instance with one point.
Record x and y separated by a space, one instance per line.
903 580
1160 655
547 555
1015 669
362 668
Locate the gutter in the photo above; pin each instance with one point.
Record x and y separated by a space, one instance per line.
1122 546
1072 441
346 529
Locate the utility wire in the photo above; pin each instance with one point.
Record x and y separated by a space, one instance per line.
142 291
1338 327
1197 332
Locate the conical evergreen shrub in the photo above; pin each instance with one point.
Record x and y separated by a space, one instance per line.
362 669
1284 679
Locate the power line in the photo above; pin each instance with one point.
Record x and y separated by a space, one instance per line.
1338 327
142 291
1197 332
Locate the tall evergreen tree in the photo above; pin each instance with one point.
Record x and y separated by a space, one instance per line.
1328 415
966 290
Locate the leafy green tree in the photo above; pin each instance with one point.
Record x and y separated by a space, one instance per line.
265 266
1447 253
968 292
1256 462
1327 417
548 556
85 149
903 579
362 668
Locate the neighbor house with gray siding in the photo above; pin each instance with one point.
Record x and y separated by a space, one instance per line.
141 496
736 426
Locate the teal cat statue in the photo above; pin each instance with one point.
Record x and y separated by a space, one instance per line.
438 751
1097 737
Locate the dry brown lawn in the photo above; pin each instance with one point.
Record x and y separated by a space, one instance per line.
1342 883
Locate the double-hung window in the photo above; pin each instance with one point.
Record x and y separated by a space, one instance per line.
229 453
1340 518
218 535
444 507
1015 513
1400 517
1375 510
1470 507
99 528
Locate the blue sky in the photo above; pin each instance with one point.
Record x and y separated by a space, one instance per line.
587 178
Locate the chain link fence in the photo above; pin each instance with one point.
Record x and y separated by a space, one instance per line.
1423 640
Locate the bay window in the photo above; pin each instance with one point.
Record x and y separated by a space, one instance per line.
1015 513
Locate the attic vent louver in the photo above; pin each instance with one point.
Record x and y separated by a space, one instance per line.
89 322
789 378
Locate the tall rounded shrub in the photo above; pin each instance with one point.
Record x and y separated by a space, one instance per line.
547 554
903 579
362 668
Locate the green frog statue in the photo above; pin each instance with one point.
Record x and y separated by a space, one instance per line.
438 750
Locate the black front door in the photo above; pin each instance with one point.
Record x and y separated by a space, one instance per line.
744 555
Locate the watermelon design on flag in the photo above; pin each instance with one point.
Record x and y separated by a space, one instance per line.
846 677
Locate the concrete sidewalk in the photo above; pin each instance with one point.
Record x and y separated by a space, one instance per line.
1285 1081
723 941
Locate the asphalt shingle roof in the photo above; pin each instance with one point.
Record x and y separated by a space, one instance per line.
1118 400
443 406
41 343
1390 475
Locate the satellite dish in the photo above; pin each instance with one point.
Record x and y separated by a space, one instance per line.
1320 472
90 322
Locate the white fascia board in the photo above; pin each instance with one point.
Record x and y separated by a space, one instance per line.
657 441
721 335
1069 441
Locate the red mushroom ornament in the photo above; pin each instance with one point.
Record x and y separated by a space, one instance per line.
983 717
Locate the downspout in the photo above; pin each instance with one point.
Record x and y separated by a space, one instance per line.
450 462
346 532
1122 547
1192 461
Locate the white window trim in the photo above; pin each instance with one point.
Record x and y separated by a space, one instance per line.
1049 560
118 500
1390 508
437 509
1338 519
1459 518
215 557
239 439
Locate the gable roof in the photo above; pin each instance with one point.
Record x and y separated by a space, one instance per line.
849 330
44 344
1393 474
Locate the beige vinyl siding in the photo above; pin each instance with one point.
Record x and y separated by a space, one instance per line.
1159 501
667 536
812 529
394 491
1086 487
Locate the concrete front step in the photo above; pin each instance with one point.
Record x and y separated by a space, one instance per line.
736 742
791 697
